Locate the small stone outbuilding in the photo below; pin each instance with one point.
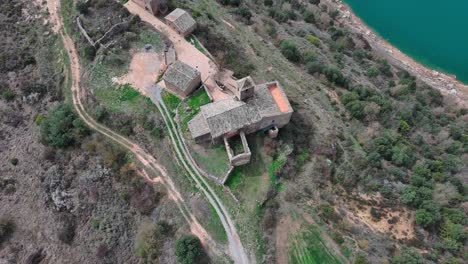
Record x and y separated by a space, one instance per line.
181 21
181 79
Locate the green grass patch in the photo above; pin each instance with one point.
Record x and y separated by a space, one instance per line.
170 100
199 98
235 179
193 103
309 248
128 93
215 227
194 42
213 159
67 12
275 167
150 37
115 97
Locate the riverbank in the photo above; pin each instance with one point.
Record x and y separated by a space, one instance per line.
447 84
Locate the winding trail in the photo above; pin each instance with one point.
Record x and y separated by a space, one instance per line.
150 164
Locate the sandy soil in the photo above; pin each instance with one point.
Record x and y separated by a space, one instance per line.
145 68
402 228
448 85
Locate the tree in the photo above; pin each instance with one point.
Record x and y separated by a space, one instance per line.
404 128
290 51
413 196
62 128
189 250
424 218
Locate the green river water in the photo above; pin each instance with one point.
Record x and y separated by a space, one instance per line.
433 32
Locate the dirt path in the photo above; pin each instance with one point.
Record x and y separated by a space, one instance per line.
149 162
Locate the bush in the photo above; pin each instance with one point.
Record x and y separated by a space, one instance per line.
361 259
243 12
314 40
82 6
8 95
6 229
189 250
414 196
290 51
314 67
309 17
309 57
334 14
231 2
14 161
373 72
150 239
335 76
408 256
62 128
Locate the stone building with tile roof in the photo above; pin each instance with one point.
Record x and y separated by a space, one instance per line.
181 79
267 107
181 21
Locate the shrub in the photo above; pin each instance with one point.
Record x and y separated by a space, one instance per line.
62 128
8 95
385 68
414 196
189 250
38 119
403 127
360 259
290 51
150 239
231 2
335 76
408 256
309 17
424 218
373 72
314 40
309 57
338 238
14 161
82 6
6 229
334 14
243 12
314 67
